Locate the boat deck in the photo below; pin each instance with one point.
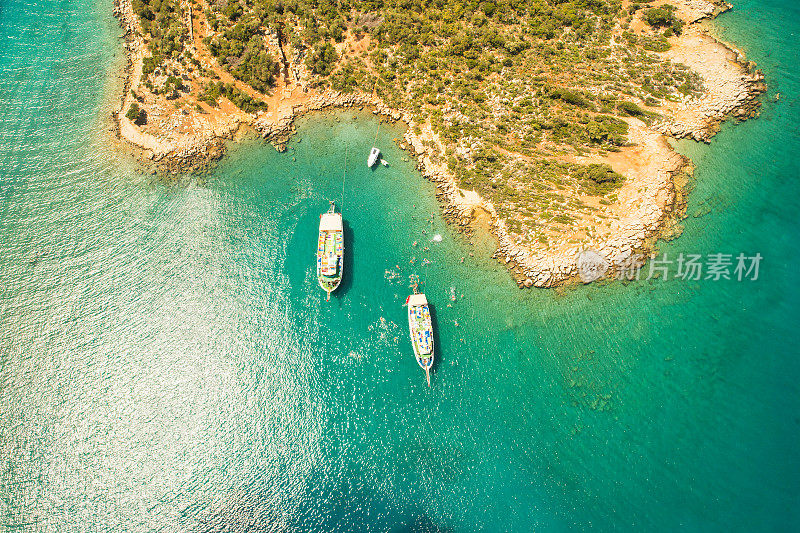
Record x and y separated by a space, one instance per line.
421 329
330 248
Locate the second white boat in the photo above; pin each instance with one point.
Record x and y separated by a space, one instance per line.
374 154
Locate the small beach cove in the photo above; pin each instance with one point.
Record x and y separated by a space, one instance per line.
621 228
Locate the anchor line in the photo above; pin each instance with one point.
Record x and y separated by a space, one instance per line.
344 176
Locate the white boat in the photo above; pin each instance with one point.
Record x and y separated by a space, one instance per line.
374 154
421 330
384 162
330 251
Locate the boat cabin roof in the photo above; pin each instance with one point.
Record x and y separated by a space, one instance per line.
330 222
417 299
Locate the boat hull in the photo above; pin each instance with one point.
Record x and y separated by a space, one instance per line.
330 251
420 329
374 154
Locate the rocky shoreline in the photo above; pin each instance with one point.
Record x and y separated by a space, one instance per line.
663 204
652 200
735 97
732 90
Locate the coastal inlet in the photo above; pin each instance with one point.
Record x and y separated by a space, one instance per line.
570 160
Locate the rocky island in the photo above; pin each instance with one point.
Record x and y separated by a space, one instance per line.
550 117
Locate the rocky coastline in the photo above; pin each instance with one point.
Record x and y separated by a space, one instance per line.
652 200
732 89
734 95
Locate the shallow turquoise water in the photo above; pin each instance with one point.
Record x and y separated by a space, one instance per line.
169 363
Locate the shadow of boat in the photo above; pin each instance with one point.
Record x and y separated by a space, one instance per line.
348 261
437 345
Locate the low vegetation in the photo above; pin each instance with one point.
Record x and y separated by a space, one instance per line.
136 114
246 103
513 88
664 17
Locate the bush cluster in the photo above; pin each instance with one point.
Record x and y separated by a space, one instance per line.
241 48
241 100
322 59
162 20
136 114
664 17
598 179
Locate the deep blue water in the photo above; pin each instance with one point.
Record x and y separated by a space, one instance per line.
170 364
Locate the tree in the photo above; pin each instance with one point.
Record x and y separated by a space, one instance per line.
597 133
136 115
233 10
323 59
257 68
663 17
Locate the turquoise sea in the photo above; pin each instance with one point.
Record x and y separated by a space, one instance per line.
167 362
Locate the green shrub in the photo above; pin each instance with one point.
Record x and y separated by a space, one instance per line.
657 45
136 115
150 63
598 178
257 68
597 132
629 108
570 97
233 10
663 17
245 102
163 20
323 59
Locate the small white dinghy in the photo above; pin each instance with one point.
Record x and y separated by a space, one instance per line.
384 162
374 154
